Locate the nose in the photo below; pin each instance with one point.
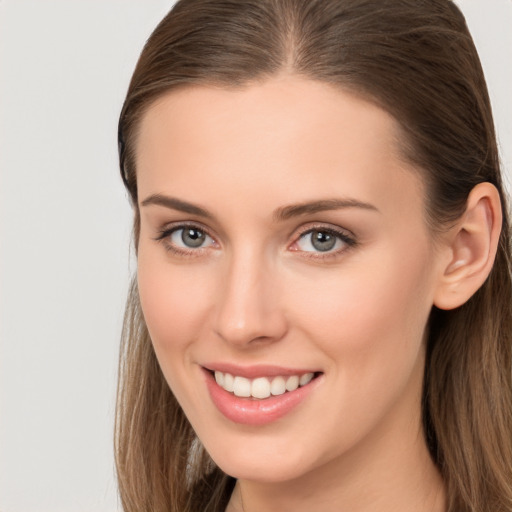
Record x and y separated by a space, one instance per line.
248 309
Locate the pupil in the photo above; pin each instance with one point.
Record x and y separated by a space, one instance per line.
192 237
323 241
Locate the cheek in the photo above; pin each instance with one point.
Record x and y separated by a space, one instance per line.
175 303
373 311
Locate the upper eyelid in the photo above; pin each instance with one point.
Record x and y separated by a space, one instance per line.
170 227
322 226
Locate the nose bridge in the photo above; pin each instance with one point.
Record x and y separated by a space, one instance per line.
248 306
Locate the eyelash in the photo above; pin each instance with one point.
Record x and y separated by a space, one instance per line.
346 238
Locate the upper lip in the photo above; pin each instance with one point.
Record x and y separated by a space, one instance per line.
254 371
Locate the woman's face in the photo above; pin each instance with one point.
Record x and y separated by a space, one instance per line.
282 235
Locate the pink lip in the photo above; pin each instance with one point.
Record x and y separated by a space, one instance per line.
250 411
254 371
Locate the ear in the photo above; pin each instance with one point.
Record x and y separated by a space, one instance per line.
471 248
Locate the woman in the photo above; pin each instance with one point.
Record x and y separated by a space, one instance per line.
321 316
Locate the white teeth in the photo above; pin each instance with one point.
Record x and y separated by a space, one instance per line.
242 387
261 387
228 382
278 386
292 383
304 379
219 378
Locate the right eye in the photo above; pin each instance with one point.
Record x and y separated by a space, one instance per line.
183 239
190 237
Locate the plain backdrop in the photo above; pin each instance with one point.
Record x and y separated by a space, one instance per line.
65 233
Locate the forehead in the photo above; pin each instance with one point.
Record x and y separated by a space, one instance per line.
292 135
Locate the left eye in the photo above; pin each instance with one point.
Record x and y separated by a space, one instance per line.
320 241
190 238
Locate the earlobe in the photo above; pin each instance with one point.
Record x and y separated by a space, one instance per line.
472 245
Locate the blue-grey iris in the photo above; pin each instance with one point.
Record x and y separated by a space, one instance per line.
322 241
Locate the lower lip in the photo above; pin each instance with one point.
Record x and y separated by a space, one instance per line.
253 411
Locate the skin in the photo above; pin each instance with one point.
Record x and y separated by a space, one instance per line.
257 292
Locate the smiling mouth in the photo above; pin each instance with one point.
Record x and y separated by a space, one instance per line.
262 394
261 388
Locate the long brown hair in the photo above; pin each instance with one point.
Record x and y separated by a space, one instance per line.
417 60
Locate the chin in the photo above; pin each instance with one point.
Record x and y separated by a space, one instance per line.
266 464
260 471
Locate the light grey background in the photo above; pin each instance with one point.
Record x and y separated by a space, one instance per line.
65 233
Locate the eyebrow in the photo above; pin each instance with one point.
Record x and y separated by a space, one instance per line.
176 204
294 210
280 214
